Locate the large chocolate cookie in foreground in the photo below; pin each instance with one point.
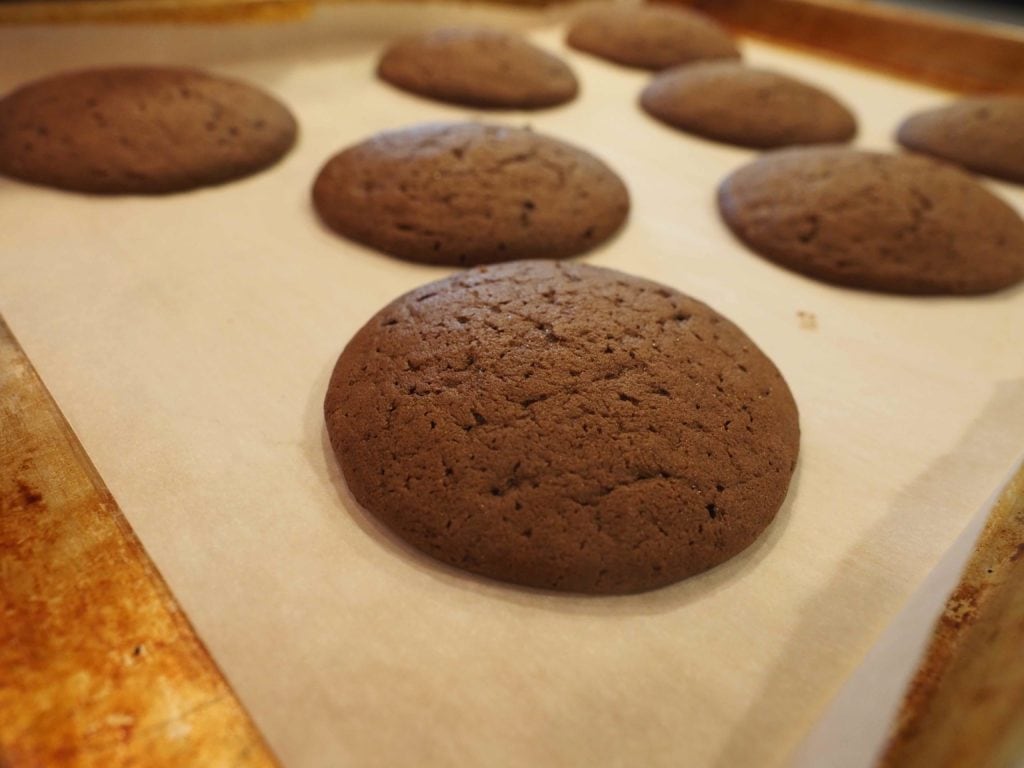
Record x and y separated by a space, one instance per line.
140 130
563 426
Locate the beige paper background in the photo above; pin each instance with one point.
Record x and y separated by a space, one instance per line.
189 340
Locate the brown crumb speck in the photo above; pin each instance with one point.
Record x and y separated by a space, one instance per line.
808 321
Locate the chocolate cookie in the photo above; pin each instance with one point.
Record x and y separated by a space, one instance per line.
650 37
727 101
895 223
478 68
142 130
563 426
984 134
465 193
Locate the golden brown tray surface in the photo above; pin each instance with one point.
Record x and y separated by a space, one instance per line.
100 666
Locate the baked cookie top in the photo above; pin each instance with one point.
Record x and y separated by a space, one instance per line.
733 103
984 134
478 67
563 426
650 36
142 130
895 223
466 193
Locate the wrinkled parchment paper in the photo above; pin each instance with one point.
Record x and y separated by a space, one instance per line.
189 340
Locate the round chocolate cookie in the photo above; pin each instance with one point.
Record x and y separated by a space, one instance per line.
984 134
478 68
897 223
465 193
727 101
142 130
650 37
563 426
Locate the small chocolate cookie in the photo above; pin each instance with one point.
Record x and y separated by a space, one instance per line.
650 37
142 130
465 193
478 68
984 134
727 101
897 223
563 426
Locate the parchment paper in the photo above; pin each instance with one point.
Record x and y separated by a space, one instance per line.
189 339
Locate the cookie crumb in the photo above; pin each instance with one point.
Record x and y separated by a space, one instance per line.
808 320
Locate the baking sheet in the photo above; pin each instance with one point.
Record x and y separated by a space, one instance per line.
189 340
856 725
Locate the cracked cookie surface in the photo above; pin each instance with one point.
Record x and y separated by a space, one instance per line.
142 130
737 104
563 426
478 67
466 194
650 37
895 223
982 133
